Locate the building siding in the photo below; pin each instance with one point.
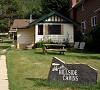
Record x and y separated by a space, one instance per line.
66 33
25 37
89 7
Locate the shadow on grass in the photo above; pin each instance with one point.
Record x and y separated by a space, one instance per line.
90 57
4 47
45 83
7 41
38 81
83 52
69 54
48 53
72 54
56 84
84 57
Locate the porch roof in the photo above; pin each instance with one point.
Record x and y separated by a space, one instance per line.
51 14
19 23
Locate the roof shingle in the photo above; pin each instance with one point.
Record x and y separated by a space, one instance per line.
20 23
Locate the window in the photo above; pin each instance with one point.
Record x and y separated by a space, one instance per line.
93 21
83 26
54 29
40 29
83 6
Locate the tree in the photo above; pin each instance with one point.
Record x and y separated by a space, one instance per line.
77 0
31 7
61 6
39 8
9 10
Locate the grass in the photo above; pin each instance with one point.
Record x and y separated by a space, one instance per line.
5 44
28 69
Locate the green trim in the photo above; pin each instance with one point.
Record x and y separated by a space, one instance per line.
51 14
55 22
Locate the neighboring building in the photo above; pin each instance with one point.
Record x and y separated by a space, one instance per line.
86 12
53 26
21 34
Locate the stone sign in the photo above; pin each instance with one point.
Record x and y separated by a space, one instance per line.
75 73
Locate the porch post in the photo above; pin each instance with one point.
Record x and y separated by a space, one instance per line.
36 32
18 46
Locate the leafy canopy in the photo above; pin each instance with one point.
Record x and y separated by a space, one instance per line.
9 10
61 6
12 9
39 8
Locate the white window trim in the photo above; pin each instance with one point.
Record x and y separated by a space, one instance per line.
93 21
83 26
83 6
83 22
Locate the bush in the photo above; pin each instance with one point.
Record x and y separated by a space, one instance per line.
93 39
78 37
96 38
66 42
40 44
88 42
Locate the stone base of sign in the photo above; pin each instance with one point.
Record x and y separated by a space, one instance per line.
74 73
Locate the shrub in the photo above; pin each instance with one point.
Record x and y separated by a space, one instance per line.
88 41
78 37
93 39
66 42
40 44
96 38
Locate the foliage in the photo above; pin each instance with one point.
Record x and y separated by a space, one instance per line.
43 41
92 39
77 0
78 37
61 6
5 45
12 9
66 42
3 26
9 10
96 38
40 44
31 7
88 42
39 8
49 41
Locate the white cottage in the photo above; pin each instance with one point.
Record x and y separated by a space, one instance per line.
53 26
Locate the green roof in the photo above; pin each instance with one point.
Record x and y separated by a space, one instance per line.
51 14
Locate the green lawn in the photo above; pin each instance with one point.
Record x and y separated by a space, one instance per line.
6 43
28 69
